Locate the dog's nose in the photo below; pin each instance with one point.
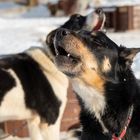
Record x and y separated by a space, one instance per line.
99 11
64 32
61 33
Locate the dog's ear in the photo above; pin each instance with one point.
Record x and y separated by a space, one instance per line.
101 21
99 25
128 54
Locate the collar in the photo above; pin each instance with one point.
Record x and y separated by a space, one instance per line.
125 127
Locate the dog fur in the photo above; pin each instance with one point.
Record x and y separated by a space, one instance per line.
32 88
105 85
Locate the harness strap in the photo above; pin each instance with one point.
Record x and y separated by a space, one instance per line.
128 120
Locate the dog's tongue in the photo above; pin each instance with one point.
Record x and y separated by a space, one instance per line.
98 26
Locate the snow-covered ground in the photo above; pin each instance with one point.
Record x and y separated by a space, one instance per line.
19 31
17 35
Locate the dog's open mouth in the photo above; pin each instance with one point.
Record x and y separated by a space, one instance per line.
95 20
67 59
67 55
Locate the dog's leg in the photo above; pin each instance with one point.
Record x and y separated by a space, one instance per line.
34 130
52 132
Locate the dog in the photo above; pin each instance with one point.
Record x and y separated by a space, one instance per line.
32 88
101 75
94 21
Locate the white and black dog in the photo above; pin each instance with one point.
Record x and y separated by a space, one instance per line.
32 88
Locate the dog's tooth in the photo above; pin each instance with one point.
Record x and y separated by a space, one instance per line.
68 55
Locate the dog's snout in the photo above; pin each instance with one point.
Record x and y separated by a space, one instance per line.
99 11
62 32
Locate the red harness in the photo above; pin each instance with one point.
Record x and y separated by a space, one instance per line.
123 132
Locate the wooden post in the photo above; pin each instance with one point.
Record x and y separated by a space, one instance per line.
124 18
33 2
72 111
27 2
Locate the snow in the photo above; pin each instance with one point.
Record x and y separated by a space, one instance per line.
19 34
115 3
16 35
7 5
20 31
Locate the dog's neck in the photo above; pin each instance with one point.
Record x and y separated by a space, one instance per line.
113 104
92 99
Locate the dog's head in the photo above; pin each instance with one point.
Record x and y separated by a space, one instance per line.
91 56
93 21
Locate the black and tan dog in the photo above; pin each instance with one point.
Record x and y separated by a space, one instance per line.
32 88
107 89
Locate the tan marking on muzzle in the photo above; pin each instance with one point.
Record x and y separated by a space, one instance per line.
89 73
77 47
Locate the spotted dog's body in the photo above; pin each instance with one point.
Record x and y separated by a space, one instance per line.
32 88
106 87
